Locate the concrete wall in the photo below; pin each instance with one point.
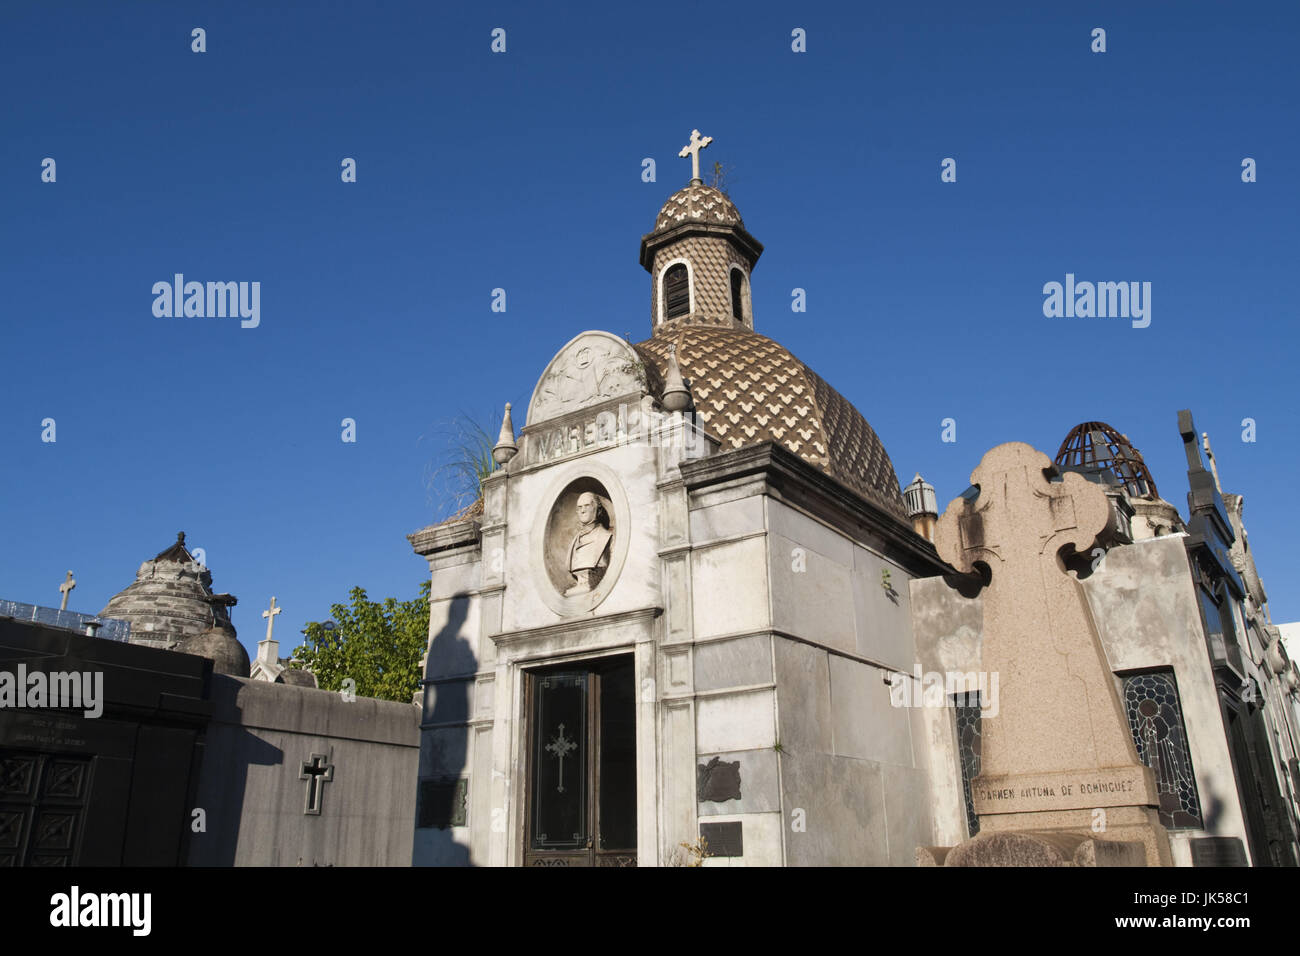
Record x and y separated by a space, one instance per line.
249 787
1145 605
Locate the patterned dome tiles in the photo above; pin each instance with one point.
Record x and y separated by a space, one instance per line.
697 203
749 389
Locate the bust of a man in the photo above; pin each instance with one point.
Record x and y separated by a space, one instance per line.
589 550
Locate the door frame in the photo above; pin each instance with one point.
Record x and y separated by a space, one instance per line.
592 855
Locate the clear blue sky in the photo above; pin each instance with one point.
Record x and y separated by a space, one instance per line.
522 171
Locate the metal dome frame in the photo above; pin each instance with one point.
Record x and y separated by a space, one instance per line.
1098 445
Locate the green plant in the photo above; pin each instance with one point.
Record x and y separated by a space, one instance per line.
719 177
379 645
458 480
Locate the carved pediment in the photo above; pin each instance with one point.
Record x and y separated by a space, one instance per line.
592 368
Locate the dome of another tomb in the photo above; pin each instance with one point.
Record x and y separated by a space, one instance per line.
1094 446
220 645
169 601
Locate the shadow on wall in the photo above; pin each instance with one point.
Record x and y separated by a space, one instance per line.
229 751
443 799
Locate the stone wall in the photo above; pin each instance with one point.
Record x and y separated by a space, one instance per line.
255 803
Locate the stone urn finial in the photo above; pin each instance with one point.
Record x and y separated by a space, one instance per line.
505 448
677 397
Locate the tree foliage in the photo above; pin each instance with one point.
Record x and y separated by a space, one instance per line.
379 645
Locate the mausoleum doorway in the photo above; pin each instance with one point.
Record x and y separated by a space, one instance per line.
581 790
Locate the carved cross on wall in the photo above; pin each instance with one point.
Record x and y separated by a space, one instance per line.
66 587
317 772
561 747
692 149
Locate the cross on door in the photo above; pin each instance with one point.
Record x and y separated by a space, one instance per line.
317 773
560 746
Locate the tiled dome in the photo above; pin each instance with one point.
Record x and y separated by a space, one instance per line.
697 203
750 389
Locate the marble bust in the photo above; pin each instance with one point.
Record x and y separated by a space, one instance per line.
589 550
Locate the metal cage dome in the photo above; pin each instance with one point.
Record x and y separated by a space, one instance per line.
1094 446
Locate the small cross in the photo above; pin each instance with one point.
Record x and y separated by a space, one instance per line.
693 150
560 747
270 614
66 587
317 773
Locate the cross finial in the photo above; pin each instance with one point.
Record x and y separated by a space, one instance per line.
270 614
66 587
692 149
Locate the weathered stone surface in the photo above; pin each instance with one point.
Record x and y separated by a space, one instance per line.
864 723
1043 849
803 690
839 807
742 662
1059 718
170 600
259 736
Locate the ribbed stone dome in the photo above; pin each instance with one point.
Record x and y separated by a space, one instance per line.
697 203
170 601
750 389
220 645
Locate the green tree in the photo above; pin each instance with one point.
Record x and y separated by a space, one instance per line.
380 646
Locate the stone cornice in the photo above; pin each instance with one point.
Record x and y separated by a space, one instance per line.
437 538
789 478
577 626
652 242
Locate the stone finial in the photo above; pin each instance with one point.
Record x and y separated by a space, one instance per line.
677 397
505 448
692 149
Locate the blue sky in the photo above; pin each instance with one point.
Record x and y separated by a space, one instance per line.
522 171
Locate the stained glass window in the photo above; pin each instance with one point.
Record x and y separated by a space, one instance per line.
967 707
1155 716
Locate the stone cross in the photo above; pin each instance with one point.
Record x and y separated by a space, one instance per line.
66 587
270 614
1060 740
692 149
317 772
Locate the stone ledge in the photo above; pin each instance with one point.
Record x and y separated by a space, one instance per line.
445 537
